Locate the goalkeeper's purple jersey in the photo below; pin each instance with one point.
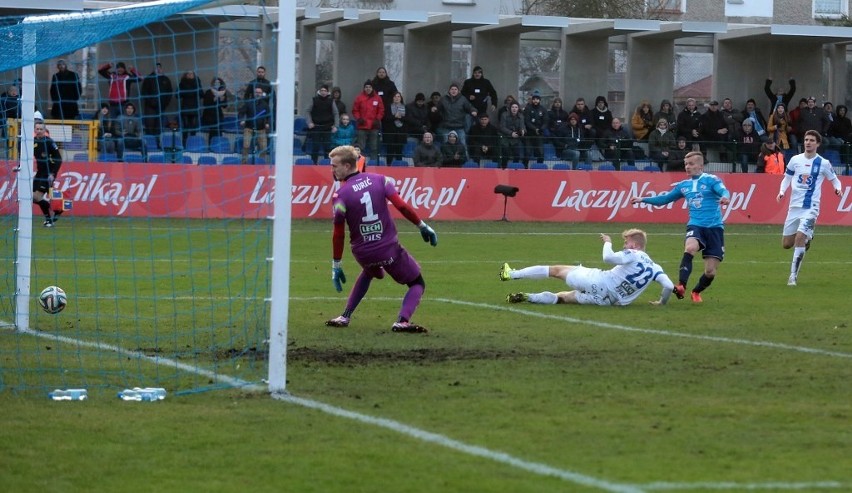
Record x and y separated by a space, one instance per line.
362 202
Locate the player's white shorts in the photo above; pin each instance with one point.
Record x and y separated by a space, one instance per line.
589 285
799 219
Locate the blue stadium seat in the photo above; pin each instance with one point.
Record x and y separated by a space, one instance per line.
470 164
220 144
515 165
207 159
561 166
150 142
257 160
232 160
157 157
539 166
399 163
549 152
652 168
324 161
231 125
606 166
304 161
408 149
300 125
490 165
108 157
629 167
186 159
195 143
133 157
585 167
833 157
170 140
81 157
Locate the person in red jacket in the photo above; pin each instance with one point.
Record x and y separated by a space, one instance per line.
119 85
368 110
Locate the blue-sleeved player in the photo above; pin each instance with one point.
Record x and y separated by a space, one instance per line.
705 230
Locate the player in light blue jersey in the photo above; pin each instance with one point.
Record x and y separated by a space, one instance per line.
804 175
705 230
633 272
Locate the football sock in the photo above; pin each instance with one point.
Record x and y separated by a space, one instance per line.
704 282
44 205
534 272
798 256
359 290
411 301
545 298
685 268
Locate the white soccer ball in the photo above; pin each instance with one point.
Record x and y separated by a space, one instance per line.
53 299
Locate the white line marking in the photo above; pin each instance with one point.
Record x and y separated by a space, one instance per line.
743 486
474 450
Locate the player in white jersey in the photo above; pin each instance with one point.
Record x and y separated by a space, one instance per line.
633 272
804 175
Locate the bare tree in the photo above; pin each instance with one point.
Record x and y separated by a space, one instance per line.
598 9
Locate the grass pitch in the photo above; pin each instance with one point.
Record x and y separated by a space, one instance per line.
747 391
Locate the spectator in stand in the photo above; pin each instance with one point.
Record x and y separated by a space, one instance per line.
732 116
156 94
213 112
677 155
65 91
130 128
601 118
811 117
660 143
748 146
573 143
771 159
337 97
752 111
535 119
779 96
483 140
254 116
454 109
345 133
689 123
119 85
642 121
453 153
385 88
427 153
795 117
505 108
434 115
368 111
108 131
557 120
260 81
10 107
417 117
840 131
667 111
778 126
584 113
618 146
479 91
394 133
322 118
190 94
714 130
513 130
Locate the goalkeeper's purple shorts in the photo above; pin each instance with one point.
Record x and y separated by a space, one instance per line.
394 259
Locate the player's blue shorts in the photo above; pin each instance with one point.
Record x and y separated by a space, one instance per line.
711 240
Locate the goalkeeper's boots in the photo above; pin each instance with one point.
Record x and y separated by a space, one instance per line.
696 297
48 223
504 272
340 321
408 327
679 290
517 298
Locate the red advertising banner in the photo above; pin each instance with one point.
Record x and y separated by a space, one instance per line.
175 190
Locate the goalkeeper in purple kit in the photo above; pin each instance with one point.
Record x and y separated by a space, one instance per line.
362 204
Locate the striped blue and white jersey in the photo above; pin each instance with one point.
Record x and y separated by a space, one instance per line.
805 177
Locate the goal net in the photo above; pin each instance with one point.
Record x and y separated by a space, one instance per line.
159 225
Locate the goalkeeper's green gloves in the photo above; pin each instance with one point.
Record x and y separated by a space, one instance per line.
338 278
428 234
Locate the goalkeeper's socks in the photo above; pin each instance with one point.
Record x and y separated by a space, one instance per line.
534 272
44 205
545 298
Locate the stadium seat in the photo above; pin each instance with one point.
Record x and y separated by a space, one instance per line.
515 165
150 142
220 144
75 144
490 165
408 149
107 157
232 160
207 159
185 159
231 125
833 157
324 161
300 125
606 166
195 143
470 164
304 161
652 168
158 157
561 166
254 159
133 157
629 167
585 167
170 140
238 145
81 157
538 165
549 152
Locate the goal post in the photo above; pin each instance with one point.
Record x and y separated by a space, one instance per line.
174 256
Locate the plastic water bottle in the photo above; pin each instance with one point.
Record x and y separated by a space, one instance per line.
147 394
69 395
